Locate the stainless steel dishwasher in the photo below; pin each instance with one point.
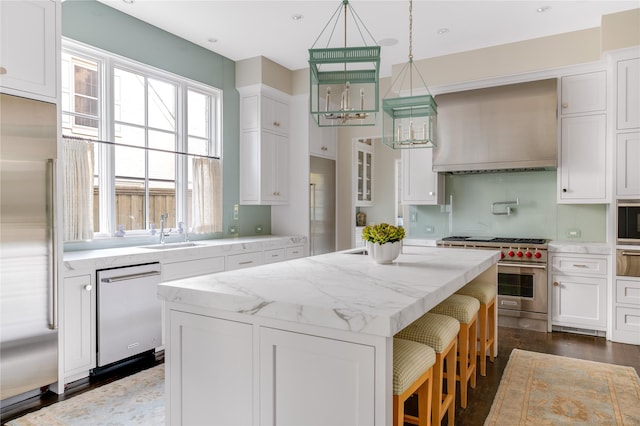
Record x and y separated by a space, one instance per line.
129 312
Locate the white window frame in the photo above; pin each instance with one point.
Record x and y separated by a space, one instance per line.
107 61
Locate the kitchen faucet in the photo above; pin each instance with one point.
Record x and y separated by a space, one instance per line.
163 217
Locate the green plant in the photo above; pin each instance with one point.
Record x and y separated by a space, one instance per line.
382 233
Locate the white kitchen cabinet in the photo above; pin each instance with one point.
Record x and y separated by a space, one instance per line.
302 375
294 252
584 93
579 291
626 315
363 157
29 49
420 185
211 370
322 141
79 325
192 268
264 148
243 260
582 171
628 165
628 94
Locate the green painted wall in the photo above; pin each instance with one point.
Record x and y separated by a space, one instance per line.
537 215
95 24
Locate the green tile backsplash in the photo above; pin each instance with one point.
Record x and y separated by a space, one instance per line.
468 210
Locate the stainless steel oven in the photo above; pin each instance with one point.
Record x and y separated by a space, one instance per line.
522 299
628 263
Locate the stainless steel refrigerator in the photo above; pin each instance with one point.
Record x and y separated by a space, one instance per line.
322 205
28 317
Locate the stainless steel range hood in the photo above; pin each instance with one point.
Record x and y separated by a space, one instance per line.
504 128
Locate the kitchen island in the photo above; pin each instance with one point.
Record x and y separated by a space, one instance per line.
307 341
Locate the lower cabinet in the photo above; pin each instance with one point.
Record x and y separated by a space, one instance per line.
79 319
304 377
217 376
626 315
191 268
579 291
211 371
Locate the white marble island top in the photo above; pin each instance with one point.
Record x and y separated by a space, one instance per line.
339 290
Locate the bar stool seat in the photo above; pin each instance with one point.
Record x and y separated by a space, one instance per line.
485 292
440 333
465 310
412 373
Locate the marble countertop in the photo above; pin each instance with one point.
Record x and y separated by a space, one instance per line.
578 247
339 290
115 257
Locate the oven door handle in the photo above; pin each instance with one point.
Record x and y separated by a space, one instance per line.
521 265
630 253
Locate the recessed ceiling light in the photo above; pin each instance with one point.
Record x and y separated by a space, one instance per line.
442 31
297 17
129 1
212 40
388 42
543 9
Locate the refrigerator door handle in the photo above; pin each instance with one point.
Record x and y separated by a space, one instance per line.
53 235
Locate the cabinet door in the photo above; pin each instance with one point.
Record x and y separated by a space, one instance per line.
250 167
584 93
627 161
306 379
322 141
275 115
579 301
28 34
420 185
363 153
274 164
79 322
583 160
210 372
629 94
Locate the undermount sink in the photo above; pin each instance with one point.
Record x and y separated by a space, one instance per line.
166 246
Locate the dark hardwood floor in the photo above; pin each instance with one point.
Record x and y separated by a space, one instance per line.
480 398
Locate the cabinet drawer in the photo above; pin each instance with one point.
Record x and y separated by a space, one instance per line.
583 265
271 256
295 252
244 260
192 268
628 292
628 319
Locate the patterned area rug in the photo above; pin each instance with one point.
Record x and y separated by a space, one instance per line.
134 400
541 389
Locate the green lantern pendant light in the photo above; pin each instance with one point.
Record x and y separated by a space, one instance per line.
344 81
409 121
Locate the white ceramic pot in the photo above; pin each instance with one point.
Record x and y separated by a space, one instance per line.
384 253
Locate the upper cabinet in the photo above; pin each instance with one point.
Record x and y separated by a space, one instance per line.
584 93
628 88
264 146
582 159
322 141
363 157
420 185
29 49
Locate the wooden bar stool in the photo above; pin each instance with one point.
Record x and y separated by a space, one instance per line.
485 292
412 373
465 310
439 332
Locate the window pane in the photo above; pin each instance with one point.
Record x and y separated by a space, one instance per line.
128 97
162 165
162 199
198 146
198 110
130 162
162 105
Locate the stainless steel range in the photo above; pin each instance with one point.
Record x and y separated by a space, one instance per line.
522 278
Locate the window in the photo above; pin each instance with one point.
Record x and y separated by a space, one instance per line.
155 123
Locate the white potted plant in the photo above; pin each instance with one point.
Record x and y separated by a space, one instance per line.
383 241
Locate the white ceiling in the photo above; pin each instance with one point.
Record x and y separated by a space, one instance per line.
245 29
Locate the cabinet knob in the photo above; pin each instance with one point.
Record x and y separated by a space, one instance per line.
564 189
88 287
3 70
556 284
432 193
276 123
565 105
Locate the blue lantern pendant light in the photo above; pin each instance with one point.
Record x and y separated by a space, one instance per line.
409 110
344 81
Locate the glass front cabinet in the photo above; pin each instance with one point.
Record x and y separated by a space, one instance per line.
363 155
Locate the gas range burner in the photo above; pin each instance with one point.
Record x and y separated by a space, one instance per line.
504 240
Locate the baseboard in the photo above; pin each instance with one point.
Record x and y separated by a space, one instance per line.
575 330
